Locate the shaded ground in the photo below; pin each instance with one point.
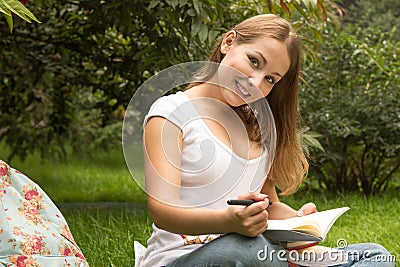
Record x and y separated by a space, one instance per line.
102 205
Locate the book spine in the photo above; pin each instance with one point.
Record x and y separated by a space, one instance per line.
304 246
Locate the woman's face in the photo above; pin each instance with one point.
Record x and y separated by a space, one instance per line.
249 71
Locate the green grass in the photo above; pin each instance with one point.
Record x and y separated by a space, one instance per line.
106 236
102 177
106 233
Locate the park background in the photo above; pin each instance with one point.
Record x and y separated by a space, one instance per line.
66 81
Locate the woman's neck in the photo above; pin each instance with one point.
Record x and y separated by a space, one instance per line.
205 90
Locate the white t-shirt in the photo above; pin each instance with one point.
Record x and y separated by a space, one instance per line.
211 173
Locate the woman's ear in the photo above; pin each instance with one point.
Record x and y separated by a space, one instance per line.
228 41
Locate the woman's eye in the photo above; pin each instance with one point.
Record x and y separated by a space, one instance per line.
253 61
270 79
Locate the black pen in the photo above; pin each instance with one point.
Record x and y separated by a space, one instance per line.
244 202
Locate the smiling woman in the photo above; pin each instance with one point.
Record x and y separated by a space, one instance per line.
264 54
230 135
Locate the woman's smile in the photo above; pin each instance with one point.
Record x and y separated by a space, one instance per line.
241 90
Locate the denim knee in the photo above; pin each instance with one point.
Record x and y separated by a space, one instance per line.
369 254
234 250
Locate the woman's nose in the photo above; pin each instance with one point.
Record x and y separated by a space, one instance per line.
254 82
258 83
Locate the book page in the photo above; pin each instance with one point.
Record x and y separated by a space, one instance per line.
322 220
309 227
277 236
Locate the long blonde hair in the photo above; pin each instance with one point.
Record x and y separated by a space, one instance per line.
290 165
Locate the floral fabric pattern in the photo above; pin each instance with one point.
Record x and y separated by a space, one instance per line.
33 232
198 239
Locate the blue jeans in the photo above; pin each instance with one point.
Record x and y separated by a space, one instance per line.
234 250
368 254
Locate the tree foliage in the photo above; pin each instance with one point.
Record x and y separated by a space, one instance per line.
69 79
66 82
352 100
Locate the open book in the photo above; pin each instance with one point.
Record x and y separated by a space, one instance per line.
301 235
313 227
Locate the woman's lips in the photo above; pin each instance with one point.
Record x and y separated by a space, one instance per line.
241 90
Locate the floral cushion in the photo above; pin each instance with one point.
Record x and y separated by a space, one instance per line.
33 232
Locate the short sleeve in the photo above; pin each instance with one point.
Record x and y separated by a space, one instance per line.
176 108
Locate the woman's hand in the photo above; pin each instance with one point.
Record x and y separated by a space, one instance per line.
251 220
306 209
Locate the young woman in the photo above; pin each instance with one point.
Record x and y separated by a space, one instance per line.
217 141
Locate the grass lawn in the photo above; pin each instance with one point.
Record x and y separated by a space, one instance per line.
102 176
106 235
106 231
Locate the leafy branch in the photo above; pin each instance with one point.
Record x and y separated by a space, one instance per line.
11 7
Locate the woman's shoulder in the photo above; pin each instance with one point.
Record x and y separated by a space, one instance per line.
170 101
174 107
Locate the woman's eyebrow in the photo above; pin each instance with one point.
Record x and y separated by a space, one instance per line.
265 63
262 57
277 74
